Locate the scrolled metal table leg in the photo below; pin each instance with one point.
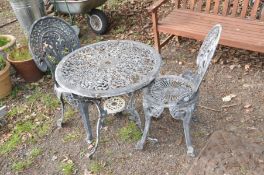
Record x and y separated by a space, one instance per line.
101 116
83 106
60 120
131 109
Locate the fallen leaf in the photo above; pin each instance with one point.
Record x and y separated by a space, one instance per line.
228 97
247 66
232 67
90 146
247 106
54 158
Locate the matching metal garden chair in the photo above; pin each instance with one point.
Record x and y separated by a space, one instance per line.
179 93
50 40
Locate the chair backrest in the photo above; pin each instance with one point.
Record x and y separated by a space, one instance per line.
245 9
206 53
51 39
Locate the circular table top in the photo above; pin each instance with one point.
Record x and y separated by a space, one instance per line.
108 68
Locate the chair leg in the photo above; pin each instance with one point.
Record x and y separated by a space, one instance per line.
186 127
142 141
59 121
86 122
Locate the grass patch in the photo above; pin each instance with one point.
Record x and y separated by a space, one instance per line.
44 129
3 41
35 152
2 62
130 132
23 164
70 113
67 168
71 137
28 128
17 110
14 91
16 137
96 167
50 101
120 29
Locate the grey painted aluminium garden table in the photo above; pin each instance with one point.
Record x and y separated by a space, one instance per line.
107 69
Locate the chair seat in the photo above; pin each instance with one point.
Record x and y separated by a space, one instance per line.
170 89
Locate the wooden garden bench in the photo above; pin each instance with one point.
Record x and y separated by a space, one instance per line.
243 25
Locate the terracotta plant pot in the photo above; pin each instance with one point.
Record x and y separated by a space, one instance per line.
11 42
27 69
5 82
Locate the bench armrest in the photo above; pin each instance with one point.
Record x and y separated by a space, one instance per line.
156 5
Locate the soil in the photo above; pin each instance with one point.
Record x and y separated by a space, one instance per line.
234 71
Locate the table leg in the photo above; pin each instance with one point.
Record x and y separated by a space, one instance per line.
101 116
83 106
131 109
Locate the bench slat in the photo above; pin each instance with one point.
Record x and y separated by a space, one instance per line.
193 15
262 15
225 39
199 5
235 34
216 7
234 9
225 9
208 6
254 9
238 32
244 9
184 4
192 4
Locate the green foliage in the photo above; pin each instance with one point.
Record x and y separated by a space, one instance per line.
20 54
50 101
70 113
2 62
130 132
3 41
35 152
96 167
16 137
23 164
67 168
17 110
43 129
14 91
71 137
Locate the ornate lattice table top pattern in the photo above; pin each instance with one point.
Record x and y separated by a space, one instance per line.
108 68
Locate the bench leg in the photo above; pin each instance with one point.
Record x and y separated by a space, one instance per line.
155 31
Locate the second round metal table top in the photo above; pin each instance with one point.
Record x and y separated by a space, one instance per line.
108 68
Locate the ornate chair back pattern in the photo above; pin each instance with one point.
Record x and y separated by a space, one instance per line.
50 40
206 53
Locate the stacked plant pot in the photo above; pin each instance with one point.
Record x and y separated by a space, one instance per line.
24 65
